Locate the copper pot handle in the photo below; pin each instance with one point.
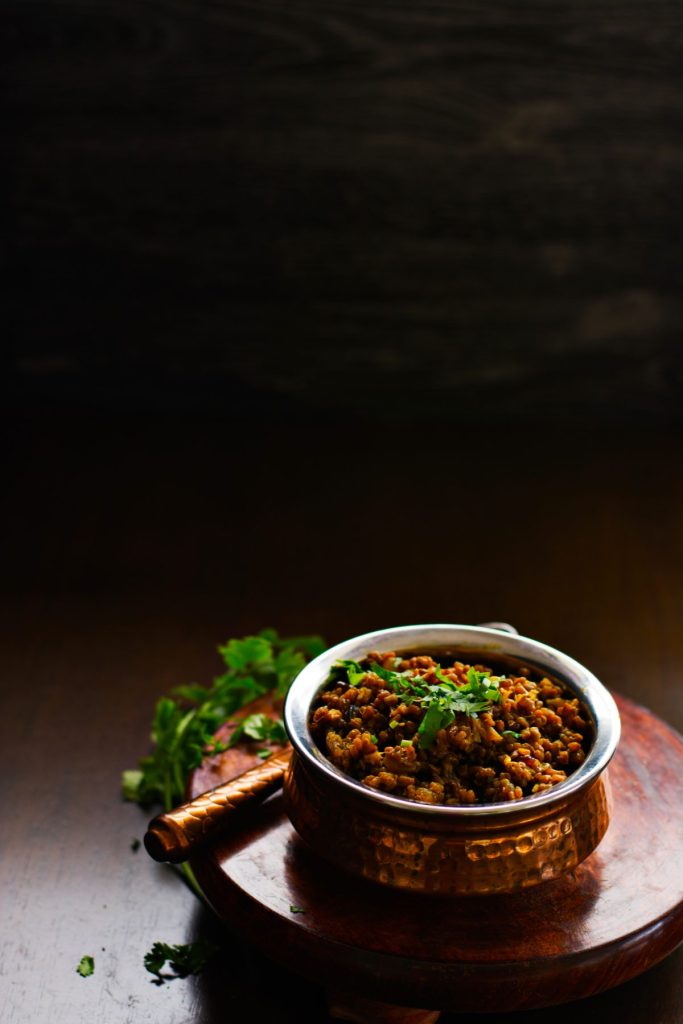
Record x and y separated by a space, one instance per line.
504 627
174 836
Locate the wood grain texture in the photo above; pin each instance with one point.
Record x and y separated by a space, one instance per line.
267 201
131 548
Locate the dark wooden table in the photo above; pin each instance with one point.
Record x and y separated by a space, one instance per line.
133 548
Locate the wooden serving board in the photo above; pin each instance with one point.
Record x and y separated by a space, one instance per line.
617 915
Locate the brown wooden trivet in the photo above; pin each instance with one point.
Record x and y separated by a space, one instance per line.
617 915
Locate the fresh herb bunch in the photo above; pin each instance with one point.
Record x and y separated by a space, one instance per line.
441 700
185 722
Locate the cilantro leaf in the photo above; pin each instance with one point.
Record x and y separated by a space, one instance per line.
131 781
86 966
348 665
259 727
249 653
438 716
442 700
355 673
184 959
483 686
288 663
397 680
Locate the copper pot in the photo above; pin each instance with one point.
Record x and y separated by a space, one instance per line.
435 848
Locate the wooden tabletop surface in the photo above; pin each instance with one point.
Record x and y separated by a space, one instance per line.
132 548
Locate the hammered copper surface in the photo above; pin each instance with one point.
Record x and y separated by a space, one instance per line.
408 850
173 836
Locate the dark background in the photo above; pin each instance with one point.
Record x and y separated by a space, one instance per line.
327 317
437 209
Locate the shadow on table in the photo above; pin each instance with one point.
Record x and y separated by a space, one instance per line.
240 984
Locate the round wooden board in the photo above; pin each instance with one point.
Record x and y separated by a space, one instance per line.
618 914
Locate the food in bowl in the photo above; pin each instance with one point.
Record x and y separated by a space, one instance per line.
444 731
439 848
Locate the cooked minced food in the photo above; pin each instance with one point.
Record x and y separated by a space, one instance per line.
447 732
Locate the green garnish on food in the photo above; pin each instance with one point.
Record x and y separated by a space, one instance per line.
442 700
510 734
296 910
86 966
185 959
354 673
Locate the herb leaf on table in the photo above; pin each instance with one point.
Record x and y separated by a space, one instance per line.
86 966
189 958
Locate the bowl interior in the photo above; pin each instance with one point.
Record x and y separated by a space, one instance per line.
473 643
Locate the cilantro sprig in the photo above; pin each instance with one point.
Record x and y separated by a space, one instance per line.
185 722
441 701
184 959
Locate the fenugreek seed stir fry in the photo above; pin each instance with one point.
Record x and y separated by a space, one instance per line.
449 734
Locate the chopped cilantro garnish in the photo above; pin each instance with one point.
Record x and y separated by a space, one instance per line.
386 674
510 735
185 959
86 966
446 700
348 664
296 910
443 700
354 672
438 716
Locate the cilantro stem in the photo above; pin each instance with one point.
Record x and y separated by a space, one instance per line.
182 726
179 780
191 881
168 793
